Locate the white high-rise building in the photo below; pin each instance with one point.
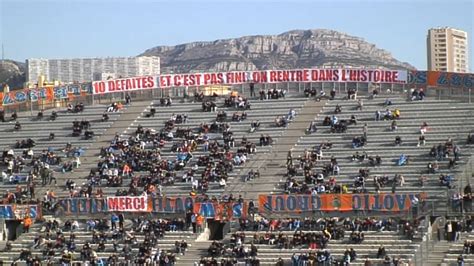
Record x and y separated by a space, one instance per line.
88 69
447 50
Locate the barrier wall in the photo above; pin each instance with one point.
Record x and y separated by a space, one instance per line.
268 204
91 206
295 204
18 211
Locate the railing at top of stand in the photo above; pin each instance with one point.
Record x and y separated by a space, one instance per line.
465 177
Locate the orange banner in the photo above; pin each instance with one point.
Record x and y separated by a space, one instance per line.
338 202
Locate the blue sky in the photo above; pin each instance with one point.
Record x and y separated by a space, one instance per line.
88 28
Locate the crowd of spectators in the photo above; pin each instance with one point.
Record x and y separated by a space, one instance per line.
137 243
137 159
322 178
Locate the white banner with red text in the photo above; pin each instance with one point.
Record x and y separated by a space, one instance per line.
243 77
125 84
128 204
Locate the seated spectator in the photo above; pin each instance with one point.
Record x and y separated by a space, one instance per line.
39 116
352 94
357 237
291 114
402 160
381 253
339 127
166 101
388 115
327 121
451 163
198 96
353 120
310 92
105 117
338 109
254 126
423 128
76 131
70 108
468 246
79 108
414 94
53 116
378 115
17 125
446 180
236 117
88 134
394 126
222 183
375 93
358 142
76 162
281 121
398 141
470 138
326 145
221 116
322 94
421 141
396 114
433 167
67 167
360 157
312 128
387 102
14 116
421 95
265 140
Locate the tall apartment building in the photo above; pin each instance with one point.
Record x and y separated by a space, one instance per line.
447 50
88 69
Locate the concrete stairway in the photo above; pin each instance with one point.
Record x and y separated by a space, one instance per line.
194 253
272 165
438 252
454 249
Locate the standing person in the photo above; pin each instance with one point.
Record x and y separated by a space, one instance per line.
252 90
251 208
121 220
360 104
193 222
26 224
365 130
128 99
31 189
449 231
51 177
200 223
333 94
458 229
188 219
114 219
44 176
289 158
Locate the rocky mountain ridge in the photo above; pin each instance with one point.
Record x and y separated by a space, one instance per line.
12 73
292 49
